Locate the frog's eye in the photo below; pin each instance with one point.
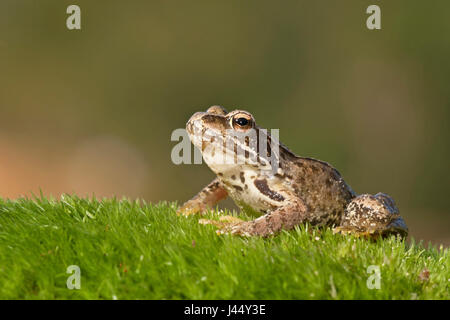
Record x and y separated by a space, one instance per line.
242 121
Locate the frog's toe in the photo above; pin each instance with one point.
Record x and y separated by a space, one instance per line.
225 222
343 230
236 229
231 219
396 226
357 232
215 223
190 208
185 212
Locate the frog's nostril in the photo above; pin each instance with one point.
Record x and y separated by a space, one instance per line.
190 125
196 116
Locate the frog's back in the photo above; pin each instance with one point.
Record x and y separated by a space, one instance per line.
321 188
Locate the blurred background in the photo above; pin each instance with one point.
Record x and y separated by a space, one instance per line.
91 111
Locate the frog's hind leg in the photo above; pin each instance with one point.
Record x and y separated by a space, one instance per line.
283 218
372 216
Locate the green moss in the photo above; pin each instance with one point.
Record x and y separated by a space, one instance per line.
135 250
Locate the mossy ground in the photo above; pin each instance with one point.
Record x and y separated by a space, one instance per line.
134 250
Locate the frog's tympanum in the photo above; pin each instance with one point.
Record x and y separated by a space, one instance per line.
299 190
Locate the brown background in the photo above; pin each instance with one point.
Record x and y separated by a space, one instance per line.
91 111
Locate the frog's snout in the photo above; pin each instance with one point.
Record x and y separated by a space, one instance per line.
204 127
194 121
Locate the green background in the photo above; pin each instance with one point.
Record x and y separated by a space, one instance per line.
92 111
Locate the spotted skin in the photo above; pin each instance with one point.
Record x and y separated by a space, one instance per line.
207 198
372 216
299 190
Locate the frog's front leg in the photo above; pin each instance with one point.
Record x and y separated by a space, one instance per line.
283 218
372 216
207 198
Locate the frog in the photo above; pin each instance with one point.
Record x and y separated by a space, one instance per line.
296 191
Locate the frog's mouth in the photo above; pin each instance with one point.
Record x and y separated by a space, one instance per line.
208 140
195 129
205 128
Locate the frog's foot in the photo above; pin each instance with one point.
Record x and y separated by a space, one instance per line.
229 225
230 219
242 228
191 207
286 218
373 217
223 221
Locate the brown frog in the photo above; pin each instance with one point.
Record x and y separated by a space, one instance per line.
295 190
